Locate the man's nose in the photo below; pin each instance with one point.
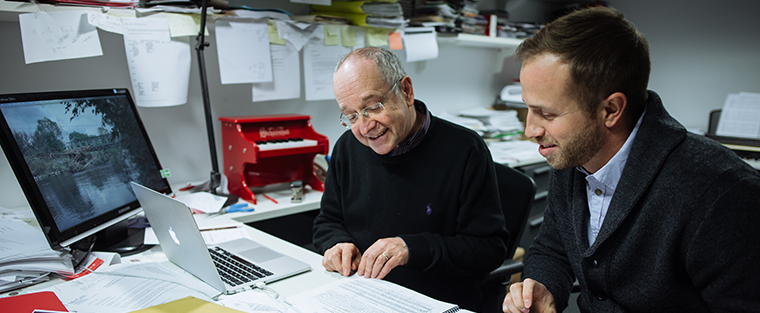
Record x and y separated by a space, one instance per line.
366 123
532 127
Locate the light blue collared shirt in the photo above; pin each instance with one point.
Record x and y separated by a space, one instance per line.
600 186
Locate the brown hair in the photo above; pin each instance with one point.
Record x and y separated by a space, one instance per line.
606 54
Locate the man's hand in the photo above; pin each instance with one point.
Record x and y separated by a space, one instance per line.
342 258
384 255
528 296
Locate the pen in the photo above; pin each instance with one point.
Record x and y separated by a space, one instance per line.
220 228
270 198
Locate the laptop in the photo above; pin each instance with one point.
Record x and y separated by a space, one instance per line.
181 241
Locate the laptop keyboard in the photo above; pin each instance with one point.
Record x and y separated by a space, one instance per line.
235 270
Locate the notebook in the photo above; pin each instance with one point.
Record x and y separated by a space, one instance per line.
181 241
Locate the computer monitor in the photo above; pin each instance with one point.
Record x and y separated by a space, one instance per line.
74 154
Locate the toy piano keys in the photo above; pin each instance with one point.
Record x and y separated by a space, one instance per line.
270 149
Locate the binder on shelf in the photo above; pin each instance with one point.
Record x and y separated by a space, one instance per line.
379 8
385 14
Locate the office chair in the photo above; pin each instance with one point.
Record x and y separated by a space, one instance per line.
516 191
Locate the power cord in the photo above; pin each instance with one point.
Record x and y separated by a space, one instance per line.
263 287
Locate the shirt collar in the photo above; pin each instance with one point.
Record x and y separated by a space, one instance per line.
610 173
419 135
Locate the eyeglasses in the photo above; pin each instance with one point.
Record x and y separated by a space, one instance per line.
370 110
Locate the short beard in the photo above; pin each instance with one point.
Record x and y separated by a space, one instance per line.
580 149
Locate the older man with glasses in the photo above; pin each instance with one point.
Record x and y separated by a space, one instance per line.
409 197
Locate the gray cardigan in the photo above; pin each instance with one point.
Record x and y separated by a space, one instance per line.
681 233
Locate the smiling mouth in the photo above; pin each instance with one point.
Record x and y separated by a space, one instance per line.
378 136
545 149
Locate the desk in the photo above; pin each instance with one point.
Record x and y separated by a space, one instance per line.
266 209
287 287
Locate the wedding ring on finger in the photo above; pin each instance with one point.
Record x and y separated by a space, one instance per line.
385 256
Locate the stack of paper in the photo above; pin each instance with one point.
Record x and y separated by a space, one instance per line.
25 256
503 124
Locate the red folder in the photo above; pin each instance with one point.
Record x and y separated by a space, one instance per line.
45 300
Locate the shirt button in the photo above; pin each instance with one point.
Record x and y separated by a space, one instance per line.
598 192
596 263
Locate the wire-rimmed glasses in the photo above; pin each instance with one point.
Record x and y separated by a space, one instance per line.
370 110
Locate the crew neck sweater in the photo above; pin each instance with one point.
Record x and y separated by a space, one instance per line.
441 198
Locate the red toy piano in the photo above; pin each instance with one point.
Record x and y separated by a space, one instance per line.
270 149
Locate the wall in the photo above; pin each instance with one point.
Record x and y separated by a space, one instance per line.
701 50
461 77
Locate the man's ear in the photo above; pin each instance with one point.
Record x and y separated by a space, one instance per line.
614 106
407 91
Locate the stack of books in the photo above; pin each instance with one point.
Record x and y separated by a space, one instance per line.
431 13
384 14
448 16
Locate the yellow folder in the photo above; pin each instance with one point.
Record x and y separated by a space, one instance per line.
188 305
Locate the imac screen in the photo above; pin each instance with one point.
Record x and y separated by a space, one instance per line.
74 154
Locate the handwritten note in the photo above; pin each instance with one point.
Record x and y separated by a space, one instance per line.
51 36
181 25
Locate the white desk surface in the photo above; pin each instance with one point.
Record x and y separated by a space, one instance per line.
314 278
267 209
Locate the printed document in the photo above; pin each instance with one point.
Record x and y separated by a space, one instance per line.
359 294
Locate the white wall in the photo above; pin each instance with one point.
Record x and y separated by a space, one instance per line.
701 51
461 77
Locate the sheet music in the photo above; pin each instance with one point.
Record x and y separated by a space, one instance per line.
359 294
740 116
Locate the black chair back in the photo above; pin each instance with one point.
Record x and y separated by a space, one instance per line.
516 191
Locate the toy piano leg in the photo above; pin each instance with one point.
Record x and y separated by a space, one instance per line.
238 186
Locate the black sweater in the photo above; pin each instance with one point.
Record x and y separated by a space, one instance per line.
441 198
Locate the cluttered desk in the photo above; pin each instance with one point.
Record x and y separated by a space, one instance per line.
150 281
71 250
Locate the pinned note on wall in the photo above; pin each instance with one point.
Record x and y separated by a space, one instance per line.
394 40
183 25
348 36
274 35
377 37
332 35
50 36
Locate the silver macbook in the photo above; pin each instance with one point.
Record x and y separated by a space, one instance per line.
230 266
